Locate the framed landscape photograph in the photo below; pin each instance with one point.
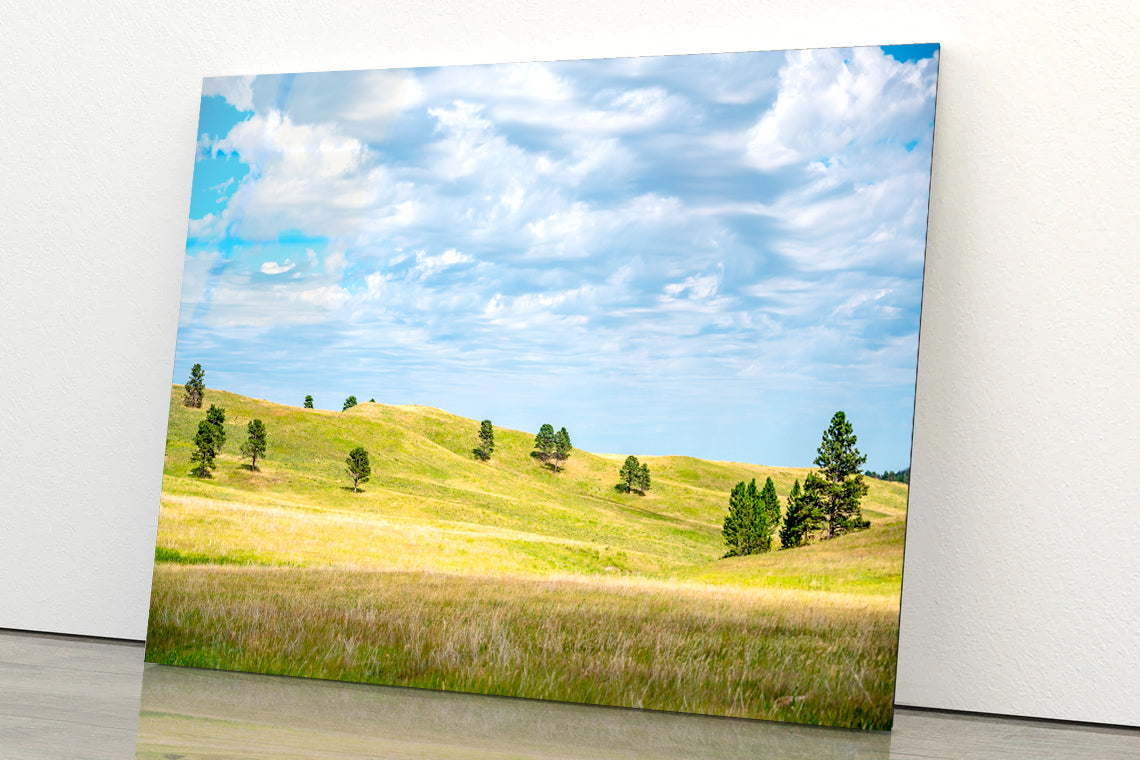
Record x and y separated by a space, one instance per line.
586 381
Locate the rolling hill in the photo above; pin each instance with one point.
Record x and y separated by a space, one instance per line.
431 504
503 577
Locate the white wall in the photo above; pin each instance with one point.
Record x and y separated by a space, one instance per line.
1022 579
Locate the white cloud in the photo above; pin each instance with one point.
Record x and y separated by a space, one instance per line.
306 177
830 99
335 261
327 296
429 265
573 215
209 227
272 267
363 104
237 91
609 112
697 286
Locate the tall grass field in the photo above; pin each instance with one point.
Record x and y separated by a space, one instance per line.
504 577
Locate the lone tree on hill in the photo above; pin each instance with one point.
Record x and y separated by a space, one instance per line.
562 448
836 491
216 416
801 519
544 444
644 478
349 403
630 474
195 387
486 441
308 402
207 449
254 445
358 467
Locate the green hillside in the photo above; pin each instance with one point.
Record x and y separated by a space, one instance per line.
431 504
503 577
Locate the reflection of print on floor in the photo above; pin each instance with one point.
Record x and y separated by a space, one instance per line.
199 712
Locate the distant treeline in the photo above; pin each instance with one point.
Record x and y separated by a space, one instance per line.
897 476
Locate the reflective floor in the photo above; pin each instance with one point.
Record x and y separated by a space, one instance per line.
68 698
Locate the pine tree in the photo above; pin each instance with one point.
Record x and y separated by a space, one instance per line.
644 477
359 468
840 465
308 402
206 449
739 524
349 403
195 387
486 441
756 524
544 444
254 445
630 474
767 516
562 448
216 416
802 517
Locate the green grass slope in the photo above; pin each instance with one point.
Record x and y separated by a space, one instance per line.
431 505
503 577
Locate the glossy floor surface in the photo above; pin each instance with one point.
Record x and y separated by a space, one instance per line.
69 698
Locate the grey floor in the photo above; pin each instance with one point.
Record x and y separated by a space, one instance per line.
68 698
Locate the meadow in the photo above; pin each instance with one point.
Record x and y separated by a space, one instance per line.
503 577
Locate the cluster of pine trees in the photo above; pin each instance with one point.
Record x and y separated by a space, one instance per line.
753 515
827 504
211 434
550 448
634 476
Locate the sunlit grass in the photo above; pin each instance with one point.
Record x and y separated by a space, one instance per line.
628 642
504 577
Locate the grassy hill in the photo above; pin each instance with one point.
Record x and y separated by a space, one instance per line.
505 577
430 504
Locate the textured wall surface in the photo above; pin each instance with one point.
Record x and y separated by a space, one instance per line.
1022 588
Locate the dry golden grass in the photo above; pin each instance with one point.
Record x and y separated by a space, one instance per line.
630 642
503 577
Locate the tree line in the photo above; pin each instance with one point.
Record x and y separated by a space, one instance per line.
828 503
894 476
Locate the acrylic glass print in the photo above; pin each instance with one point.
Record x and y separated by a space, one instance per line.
588 381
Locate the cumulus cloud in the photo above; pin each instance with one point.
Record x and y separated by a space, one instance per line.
429 265
830 99
734 229
237 91
272 267
306 177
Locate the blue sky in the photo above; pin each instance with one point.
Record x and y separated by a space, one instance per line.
704 255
